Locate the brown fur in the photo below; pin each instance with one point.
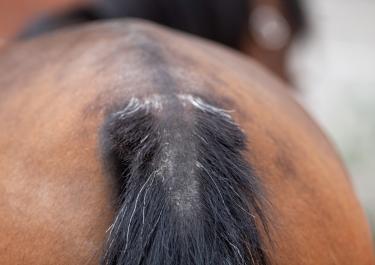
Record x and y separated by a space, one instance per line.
55 201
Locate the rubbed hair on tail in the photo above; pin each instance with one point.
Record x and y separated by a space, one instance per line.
186 195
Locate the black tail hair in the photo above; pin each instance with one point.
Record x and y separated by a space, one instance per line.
186 193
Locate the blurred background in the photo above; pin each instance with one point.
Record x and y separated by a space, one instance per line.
332 65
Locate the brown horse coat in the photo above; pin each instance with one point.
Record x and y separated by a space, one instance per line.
55 198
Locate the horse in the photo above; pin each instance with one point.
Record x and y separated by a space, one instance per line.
125 142
263 29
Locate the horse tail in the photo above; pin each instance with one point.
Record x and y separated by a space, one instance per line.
186 195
